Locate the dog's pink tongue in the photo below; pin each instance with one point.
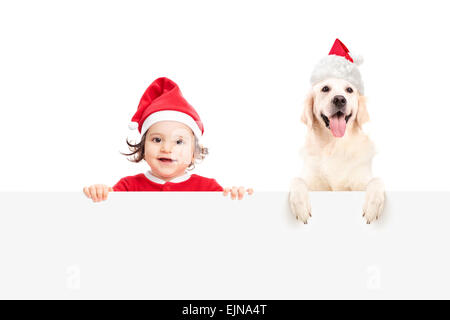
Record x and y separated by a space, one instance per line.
337 125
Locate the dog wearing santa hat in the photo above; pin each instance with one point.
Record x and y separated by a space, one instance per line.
337 153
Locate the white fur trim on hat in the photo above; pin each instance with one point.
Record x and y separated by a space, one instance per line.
333 66
171 115
358 59
133 125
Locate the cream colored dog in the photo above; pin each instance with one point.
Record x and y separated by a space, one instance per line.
337 153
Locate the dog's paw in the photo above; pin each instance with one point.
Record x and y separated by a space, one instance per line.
299 200
374 201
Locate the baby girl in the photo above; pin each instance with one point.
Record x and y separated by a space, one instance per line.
170 130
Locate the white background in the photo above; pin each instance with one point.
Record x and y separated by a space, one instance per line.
72 74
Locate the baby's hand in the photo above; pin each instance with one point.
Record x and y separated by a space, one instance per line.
97 192
240 192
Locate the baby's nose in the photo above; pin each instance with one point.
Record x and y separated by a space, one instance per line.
166 147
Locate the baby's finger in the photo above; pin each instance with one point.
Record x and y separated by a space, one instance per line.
226 191
250 191
233 193
93 192
241 192
100 194
86 192
105 193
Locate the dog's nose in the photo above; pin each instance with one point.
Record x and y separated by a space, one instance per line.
339 101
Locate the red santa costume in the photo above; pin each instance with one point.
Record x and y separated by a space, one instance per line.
163 101
148 182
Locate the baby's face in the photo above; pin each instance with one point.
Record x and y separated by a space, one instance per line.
169 149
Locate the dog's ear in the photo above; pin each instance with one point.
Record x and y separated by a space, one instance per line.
307 115
362 116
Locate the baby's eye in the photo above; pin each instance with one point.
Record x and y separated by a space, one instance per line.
179 141
157 140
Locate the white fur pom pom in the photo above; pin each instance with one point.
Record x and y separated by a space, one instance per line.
133 125
358 59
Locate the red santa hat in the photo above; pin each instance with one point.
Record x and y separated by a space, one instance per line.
163 101
339 64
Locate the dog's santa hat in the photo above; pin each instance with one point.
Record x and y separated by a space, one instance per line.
339 64
163 101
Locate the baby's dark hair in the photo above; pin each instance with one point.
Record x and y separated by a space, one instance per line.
137 151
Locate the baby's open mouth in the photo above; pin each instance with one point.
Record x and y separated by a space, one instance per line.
166 160
338 123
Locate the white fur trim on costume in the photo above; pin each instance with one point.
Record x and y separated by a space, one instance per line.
154 179
333 66
133 125
171 115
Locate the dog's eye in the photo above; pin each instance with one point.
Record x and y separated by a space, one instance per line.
349 90
325 89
